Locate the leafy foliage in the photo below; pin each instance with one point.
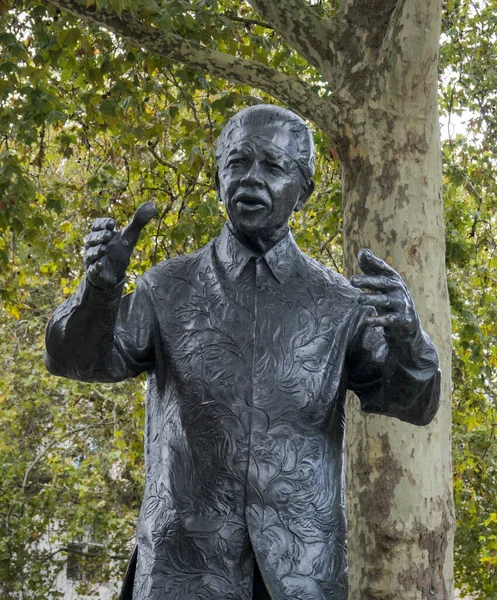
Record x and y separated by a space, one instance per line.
469 52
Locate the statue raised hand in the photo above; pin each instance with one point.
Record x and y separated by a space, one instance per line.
388 294
108 252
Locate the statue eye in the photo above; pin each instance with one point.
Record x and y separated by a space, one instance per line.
237 162
275 167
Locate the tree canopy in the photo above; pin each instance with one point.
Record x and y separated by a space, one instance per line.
91 124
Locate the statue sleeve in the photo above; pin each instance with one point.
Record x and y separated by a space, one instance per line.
393 375
97 335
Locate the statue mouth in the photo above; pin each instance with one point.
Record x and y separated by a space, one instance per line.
250 202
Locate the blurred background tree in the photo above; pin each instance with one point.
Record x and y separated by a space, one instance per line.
468 101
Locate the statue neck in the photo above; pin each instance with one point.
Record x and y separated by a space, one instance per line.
259 242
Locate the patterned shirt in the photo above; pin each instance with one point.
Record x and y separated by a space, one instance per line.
248 359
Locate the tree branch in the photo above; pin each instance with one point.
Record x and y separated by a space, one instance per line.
367 27
292 91
300 27
410 28
53 443
152 149
368 15
247 22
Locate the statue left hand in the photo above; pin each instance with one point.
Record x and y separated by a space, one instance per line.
390 296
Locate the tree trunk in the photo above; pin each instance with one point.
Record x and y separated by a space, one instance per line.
400 506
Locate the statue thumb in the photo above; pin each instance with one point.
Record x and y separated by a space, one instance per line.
142 216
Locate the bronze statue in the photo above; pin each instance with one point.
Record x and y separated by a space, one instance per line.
250 347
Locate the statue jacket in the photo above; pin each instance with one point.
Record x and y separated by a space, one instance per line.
248 361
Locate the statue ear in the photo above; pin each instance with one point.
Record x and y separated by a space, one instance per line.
218 187
305 195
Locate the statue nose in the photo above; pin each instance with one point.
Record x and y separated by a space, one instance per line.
253 175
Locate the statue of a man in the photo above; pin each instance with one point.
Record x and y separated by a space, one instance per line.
249 347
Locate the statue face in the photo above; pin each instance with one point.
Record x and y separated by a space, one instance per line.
259 180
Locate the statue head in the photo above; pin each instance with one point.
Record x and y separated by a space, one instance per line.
265 158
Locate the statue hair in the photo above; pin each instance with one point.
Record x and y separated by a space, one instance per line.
272 115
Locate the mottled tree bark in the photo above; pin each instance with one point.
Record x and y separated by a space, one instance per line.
379 58
401 517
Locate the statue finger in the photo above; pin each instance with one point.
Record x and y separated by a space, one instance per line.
94 269
94 253
382 320
100 276
379 283
95 238
103 223
373 265
142 216
382 301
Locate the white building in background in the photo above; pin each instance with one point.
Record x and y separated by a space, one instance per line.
104 591
78 569
79 566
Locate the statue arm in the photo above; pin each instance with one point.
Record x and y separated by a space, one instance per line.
394 375
392 363
97 335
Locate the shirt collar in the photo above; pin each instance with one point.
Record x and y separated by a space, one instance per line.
234 255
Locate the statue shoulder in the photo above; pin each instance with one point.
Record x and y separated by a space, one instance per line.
337 282
177 266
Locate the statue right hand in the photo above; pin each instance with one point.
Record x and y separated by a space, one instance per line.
107 251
